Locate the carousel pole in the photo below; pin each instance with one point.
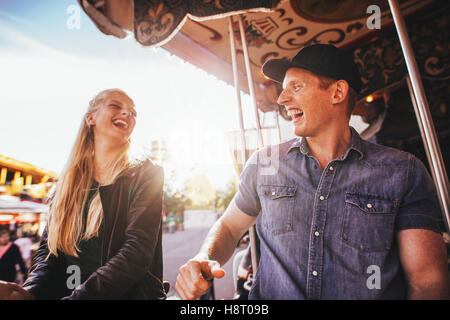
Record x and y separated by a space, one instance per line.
420 123
251 88
278 125
425 119
243 157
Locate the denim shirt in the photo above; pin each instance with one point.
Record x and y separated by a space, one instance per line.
331 234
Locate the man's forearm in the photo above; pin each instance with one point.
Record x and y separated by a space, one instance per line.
219 244
437 291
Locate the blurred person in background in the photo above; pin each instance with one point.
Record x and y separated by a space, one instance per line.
103 239
25 243
10 257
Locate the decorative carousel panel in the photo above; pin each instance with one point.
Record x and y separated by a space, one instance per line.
381 62
156 21
293 25
333 11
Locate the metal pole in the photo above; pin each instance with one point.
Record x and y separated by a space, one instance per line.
278 125
238 91
421 129
251 86
431 141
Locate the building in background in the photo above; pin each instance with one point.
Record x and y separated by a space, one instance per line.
23 197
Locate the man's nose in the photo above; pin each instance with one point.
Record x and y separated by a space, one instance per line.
283 98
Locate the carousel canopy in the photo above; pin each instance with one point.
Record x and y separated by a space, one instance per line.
197 31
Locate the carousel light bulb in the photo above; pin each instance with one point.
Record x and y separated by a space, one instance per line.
369 98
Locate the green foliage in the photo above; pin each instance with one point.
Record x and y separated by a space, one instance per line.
224 196
175 199
200 191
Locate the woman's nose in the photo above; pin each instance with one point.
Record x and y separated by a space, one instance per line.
125 112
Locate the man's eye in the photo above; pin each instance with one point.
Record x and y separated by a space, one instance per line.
115 106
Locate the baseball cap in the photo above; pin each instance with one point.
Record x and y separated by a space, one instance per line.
321 59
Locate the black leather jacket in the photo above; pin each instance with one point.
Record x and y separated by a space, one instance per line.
131 256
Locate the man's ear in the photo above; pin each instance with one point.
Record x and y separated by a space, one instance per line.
340 91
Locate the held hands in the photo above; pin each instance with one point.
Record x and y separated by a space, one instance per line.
12 291
195 277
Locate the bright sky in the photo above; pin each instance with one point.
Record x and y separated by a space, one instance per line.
49 72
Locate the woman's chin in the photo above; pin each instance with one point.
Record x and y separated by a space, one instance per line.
116 140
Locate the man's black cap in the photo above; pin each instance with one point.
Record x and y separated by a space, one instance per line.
321 59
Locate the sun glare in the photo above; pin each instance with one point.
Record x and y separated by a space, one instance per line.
47 89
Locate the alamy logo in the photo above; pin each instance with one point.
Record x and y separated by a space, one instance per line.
374 280
374 21
74 20
74 280
269 160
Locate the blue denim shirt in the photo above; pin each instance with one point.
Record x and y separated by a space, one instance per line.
331 234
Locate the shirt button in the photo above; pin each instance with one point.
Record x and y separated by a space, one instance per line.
273 193
331 168
316 233
369 205
322 198
314 273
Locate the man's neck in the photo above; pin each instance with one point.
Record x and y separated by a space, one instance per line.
329 145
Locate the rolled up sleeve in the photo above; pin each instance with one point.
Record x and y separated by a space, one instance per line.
247 199
419 208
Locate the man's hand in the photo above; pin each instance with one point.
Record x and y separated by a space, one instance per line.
192 282
194 278
12 291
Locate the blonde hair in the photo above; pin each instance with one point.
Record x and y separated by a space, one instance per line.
66 226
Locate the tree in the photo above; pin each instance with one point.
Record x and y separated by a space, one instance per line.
224 196
175 199
200 191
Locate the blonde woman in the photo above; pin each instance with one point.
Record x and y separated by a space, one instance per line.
103 239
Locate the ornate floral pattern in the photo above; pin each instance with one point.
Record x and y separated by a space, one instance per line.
256 31
381 62
155 21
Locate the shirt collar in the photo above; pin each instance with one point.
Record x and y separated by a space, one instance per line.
295 144
355 144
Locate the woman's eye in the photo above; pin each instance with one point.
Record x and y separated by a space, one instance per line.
115 106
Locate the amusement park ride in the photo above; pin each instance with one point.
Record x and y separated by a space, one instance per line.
23 190
401 48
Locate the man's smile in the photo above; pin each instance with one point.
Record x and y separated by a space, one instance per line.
295 114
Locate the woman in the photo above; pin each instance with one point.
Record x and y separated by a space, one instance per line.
10 256
103 239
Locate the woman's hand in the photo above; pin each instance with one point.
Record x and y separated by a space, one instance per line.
12 291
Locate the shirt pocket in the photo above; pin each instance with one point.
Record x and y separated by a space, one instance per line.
368 223
277 207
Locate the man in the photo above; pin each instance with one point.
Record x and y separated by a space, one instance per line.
340 218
